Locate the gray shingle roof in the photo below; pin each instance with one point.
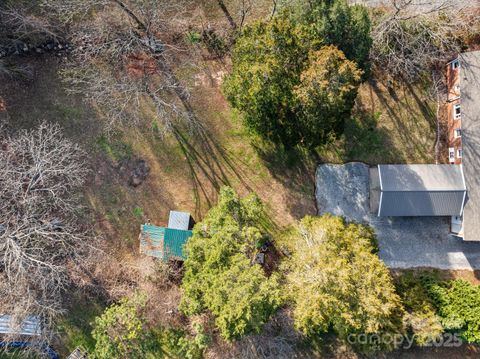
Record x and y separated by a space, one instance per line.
421 190
470 102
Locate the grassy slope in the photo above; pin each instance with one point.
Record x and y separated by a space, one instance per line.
389 126
187 173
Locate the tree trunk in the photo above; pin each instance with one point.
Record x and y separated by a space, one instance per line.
227 14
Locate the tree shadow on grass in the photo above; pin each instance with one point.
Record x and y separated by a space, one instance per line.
209 164
295 169
366 142
406 119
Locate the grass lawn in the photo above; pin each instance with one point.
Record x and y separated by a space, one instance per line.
394 125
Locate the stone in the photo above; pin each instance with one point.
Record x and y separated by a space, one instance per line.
139 173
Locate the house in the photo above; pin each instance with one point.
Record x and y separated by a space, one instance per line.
451 190
167 242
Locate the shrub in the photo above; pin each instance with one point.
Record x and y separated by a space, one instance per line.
420 317
458 304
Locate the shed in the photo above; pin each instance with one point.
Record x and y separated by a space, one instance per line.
163 243
421 190
179 220
30 326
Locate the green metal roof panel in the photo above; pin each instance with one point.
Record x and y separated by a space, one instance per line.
175 239
163 243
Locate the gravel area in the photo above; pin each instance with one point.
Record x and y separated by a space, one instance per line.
405 242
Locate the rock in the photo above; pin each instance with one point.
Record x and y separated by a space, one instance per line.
135 181
38 50
139 173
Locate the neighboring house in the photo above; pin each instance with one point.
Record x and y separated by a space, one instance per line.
167 243
442 190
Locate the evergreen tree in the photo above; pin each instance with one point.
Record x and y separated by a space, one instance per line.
220 274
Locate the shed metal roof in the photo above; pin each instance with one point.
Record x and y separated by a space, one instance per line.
30 326
421 178
179 220
163 243
421 190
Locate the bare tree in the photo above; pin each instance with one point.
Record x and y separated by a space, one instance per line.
21 24
126 55
412 37
41 232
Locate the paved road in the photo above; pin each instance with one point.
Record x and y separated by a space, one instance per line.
404 242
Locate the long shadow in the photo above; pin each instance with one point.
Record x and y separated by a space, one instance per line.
402 130
295 169
365 141
424 108
207 158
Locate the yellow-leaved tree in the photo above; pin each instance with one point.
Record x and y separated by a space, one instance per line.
337 282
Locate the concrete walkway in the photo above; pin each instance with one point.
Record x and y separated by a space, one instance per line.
404 242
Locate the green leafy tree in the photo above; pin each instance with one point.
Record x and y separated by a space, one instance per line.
326 94
335 22
220 276
267 61
458 305
277 68
337 282
121 332
420 318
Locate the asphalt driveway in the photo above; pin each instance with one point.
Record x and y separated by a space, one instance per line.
404 242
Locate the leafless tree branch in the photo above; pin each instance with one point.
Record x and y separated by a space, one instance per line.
40 230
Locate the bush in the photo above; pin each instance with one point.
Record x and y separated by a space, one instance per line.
420 317
458 304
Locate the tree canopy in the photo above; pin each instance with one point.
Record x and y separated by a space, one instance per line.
326 94
122 332
277 69
336 281
267 61
336 22
221 276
